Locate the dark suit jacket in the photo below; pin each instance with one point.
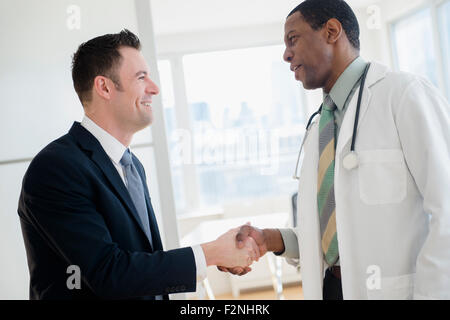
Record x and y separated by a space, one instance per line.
74 209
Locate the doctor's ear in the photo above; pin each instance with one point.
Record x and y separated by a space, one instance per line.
102 86
333 29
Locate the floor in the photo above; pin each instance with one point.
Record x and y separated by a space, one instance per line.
292 292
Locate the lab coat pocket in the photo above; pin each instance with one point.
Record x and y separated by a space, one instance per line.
382 176
394 288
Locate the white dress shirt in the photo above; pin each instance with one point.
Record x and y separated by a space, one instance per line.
115 150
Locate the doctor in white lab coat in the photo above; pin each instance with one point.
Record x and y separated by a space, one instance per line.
393 209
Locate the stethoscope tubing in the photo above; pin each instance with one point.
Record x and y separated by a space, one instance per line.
358 107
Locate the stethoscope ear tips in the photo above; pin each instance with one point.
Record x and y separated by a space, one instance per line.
351 161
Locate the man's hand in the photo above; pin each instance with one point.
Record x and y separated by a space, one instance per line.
245 233
266 240
224 252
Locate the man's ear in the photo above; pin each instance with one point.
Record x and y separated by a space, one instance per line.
102 86
334 30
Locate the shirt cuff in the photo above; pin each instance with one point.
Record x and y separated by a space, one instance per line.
290 240
200 262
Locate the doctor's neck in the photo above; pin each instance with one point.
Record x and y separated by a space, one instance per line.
341 60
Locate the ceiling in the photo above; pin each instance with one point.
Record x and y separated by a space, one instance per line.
180 16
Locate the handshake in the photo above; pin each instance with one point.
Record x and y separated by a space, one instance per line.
237 249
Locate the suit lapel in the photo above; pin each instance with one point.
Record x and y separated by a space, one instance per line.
153 224
88 142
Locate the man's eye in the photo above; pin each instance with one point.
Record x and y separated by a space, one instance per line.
141 78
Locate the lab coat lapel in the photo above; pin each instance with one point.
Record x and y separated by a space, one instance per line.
311 255
375 74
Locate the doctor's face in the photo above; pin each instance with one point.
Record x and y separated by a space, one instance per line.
308 52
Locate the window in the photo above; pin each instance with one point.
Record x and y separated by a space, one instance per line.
415 44
246 118
247 121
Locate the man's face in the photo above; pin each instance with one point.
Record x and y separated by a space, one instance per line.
131 103
308 52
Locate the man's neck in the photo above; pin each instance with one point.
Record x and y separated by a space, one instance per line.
111 127
340 64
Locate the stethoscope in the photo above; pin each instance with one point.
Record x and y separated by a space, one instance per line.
351 160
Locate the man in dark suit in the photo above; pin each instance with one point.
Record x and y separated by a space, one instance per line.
85 201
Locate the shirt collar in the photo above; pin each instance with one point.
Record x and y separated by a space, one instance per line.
346 81
113 148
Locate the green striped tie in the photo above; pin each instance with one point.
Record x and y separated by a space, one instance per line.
325 196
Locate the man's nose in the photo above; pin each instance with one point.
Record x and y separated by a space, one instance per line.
287 56
152 88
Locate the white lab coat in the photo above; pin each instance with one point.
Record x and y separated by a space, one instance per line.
393 211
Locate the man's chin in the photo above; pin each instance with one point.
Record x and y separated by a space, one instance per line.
144 123
147 122
308 85
305 84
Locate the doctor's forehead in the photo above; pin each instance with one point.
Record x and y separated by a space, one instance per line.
293 23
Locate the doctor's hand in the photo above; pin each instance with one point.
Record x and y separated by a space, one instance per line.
224 252
266 239
247 232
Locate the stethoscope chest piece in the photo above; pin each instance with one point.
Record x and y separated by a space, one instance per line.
351 161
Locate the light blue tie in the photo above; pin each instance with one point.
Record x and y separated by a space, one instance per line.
136 190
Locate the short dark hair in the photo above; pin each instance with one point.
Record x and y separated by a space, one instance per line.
100 56
317 12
